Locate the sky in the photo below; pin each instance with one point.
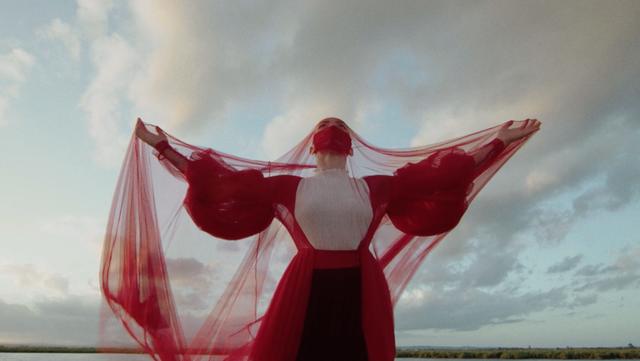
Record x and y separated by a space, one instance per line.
547 255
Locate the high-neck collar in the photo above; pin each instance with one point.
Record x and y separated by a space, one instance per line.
328 171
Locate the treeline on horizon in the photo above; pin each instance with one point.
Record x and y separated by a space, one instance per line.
568 353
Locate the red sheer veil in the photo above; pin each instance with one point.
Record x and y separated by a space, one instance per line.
183 294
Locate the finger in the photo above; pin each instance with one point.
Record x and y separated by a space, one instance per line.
524 125
536 124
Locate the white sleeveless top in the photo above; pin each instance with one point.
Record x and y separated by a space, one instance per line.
333 209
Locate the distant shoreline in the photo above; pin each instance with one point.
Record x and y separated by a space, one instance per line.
566 353
66 349
513 353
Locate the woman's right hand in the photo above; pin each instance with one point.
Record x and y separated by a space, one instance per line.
148 137
510 135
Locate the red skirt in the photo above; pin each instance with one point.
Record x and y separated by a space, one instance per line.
333 321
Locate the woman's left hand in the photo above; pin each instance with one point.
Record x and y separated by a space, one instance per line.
149 137
509 135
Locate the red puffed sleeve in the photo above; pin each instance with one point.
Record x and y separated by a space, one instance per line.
224 202
430 197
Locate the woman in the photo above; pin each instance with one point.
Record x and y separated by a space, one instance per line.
359 236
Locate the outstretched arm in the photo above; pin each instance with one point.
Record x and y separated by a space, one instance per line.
484 153
175 157
429 197
487 152
223 201
161 144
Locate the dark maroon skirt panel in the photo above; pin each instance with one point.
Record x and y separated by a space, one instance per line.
333 322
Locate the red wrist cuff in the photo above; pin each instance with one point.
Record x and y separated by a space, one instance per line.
499 143
162 146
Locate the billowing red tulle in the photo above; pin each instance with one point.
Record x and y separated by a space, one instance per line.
171 278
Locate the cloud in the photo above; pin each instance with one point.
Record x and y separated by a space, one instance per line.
199 63
567 264
68 321
484 289
613 283
114 60
471 309
197 285
620 186
189 271
482 266
293 125
87 231
65 33
31 277
620 274
14 68
595 270
93 17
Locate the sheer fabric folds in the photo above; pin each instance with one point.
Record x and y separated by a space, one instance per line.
211 264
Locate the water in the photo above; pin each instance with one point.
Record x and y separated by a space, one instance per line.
9 356
115 357
107 357
70 357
